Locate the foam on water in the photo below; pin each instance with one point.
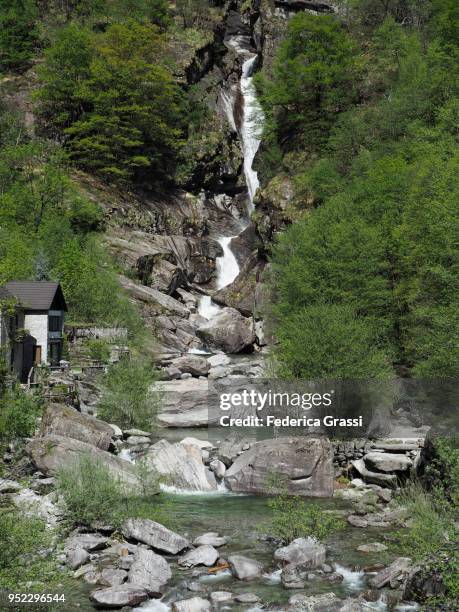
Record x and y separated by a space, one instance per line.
353 579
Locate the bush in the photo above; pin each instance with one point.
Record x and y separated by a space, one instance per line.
98 349
23 542
19 412
93 495
294 517
128 400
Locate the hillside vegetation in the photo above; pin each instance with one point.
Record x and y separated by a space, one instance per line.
363 116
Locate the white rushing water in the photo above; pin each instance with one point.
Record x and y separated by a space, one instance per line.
250 127
227 265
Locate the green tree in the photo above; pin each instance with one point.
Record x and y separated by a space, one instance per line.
313 81
18 34
113 100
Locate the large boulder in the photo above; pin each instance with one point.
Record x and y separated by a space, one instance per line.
118 596
155 535
244 568
63 420
180 465
305 552
304 466
388 462
50 453
228 331
149 571
184 403
192 364
394 574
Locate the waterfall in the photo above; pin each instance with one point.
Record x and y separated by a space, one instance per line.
227 265
249 128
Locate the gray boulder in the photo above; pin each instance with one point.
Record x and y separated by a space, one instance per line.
202 555
305 463
244 568
113 577
228 331
383 480
192 364
155 535
303 551
218 468
372 547
326 602
63 420
149 571
220 597
195 604
393 575
388 462
180 465
184 403
76 558
247 598
50 453
211 539
86 541
118 596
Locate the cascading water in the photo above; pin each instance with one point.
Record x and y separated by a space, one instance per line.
250 127
227 266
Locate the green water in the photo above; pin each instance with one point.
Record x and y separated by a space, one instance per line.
241 518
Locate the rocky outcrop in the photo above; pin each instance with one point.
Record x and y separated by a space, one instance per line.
63 420
155 535
179 465
228 331
241 293
49 453
303 465
184 403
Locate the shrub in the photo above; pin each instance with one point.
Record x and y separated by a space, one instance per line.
294 517
128 400
23 542
92 494
98 349
18 414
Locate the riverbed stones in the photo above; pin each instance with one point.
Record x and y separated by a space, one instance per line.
247 598
388 462
119 596
220 597
86 541
244 568
63 420
305 552
195 604
202 555
113 577
304 464
393 574
211 539
325 602
228 331
181 465
150 571
155 535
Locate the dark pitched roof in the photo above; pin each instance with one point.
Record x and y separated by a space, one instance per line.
37 295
